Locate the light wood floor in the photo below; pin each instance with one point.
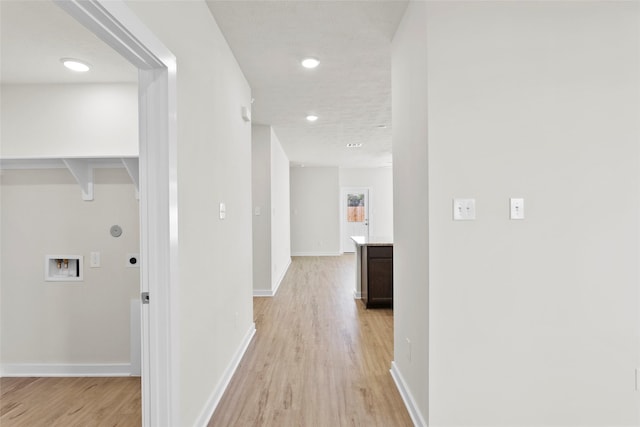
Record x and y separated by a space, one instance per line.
318 358
70 402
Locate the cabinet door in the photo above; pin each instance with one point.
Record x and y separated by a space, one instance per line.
380 282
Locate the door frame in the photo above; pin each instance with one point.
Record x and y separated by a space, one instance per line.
114 23
343 211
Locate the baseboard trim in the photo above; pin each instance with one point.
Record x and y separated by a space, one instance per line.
214 398
407 397
357 295
281 278
65 370
316 254
262 293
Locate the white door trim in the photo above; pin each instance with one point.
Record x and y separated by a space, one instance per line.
343 211
120 28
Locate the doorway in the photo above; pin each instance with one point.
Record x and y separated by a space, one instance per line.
355 215
120 28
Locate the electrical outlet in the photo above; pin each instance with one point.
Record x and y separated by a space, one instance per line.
464 209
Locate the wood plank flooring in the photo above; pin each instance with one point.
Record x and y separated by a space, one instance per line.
70 402
319 358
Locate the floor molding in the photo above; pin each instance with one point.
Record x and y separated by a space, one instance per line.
65 370
262 293
215 397
409 402
281 278
316 254
357 295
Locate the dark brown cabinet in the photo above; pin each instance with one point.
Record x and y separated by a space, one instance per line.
377 276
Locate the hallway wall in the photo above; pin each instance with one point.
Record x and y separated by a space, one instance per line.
530 322
315 210
214 166
271 216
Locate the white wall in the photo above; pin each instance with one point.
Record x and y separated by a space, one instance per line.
69 120
411 255
280 213
261 199
315 211
380 182
66 323
214 165
531 322
271 219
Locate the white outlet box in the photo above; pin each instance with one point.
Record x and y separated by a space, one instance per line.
464 209
516 208
63 268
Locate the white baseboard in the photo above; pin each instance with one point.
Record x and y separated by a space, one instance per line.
407 397
357 295
65 370
216 395
281 278
272 292
316 254
262 293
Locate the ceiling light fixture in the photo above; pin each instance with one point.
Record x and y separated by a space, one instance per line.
75 65
354 145
310 63
312 117
382 126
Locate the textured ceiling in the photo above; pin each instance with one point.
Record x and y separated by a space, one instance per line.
34 35
351 89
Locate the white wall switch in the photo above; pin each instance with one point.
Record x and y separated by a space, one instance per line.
223 211
95 259
517 208
464 209
257 211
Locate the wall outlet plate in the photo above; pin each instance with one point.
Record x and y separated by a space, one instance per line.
464 209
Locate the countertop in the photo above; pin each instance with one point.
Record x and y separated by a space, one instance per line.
372 241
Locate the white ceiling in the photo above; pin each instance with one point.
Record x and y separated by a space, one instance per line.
350 91
34 35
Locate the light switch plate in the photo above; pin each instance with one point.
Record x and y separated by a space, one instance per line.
94 261
223 211
516 208
464 209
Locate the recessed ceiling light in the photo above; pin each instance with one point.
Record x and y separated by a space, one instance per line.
354 145
312 117
310 63
75 65
382 126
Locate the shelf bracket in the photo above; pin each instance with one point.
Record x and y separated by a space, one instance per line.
133 169
82 171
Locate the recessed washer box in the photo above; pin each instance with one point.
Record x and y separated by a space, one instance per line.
63 268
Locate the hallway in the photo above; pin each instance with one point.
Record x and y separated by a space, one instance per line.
318 357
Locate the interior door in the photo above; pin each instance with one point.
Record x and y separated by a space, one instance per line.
355 216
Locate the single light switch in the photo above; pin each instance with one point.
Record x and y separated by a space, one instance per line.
95 259
464 209
223 211
517 208
257 211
